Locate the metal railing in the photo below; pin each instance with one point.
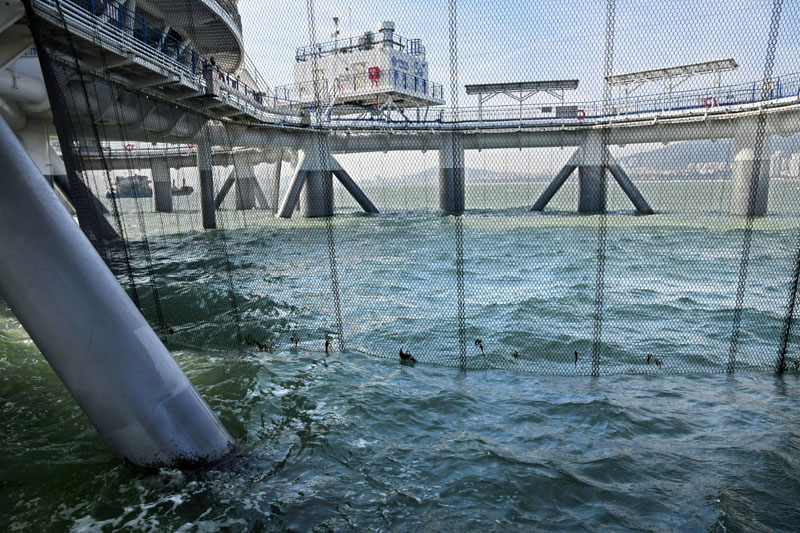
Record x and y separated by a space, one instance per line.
117 24
341 87
160 47
780 88
366 41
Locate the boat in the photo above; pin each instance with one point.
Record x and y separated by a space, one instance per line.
183 190
135 186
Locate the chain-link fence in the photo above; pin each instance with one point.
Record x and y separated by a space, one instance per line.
560 188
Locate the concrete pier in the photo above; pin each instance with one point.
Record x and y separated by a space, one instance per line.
90 332
451 178
275 191
354 190
316 199
245 175
162 185
591 175
633 194
312 186
206 172
592 159
750 192
290 200
556 184
223 192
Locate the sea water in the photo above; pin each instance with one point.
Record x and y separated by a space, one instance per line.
352 440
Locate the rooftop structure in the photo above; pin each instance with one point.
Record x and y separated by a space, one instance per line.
522 90
669 79
375 69
672 73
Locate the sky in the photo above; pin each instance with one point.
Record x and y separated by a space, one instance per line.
514 40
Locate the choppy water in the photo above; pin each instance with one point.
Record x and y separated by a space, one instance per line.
353 442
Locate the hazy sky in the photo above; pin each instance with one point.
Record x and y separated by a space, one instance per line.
514 40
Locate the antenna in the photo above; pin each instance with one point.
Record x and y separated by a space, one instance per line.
335 34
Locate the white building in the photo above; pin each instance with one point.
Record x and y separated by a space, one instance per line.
368 70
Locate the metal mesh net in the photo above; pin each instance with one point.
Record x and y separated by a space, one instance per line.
557 187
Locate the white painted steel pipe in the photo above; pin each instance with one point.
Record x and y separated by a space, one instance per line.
90 332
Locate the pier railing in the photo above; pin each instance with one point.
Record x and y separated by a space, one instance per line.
149 41
118 24
366 41
780 88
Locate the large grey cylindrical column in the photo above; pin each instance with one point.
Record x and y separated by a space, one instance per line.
750 192
316 198
205 169
451 178
162 185
591 175
90 332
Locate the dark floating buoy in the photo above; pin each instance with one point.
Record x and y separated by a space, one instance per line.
515 355
576 357
407 357
327 345
479 344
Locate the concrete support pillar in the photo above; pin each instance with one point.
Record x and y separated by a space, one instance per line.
636 197
206 171
316 199
223 192
245 175
290 200
88 329
556 184
351 186
312 185
275 190
591 175
451 178
261 198
750 192
162 185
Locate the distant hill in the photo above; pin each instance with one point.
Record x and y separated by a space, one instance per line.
704 159
475 175
699 159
